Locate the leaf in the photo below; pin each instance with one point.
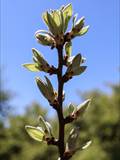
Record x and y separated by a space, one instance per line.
72 139
79 25
40 60
74 20
68 48
42 123
44 16
51 24
42 87
35 132
32 67
46 89
67 13
71 108
49 85
46 126
82 108
79 70
83 31
44 39
75 63
87 145
44 32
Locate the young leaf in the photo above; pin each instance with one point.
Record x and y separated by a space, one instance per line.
32 67
71 108
35 132
75 63
74 20
44 39
67 13
83 31
81 108
79 25
87 145
68 48
79 70
42 87
49 85
40 60
72 139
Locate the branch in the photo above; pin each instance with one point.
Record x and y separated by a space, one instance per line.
61 145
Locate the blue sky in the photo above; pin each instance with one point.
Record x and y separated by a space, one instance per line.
19 21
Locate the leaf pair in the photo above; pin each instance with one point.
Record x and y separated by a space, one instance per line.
74 68
57 20
40 64
40 133
47 90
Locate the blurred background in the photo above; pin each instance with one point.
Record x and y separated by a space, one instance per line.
20 100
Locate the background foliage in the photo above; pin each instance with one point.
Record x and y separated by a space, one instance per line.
101 123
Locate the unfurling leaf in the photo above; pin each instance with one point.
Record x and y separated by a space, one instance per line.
67 14
74 20
68 48
32 67
35 132
72 139
46 89
45 38
81 109
39 59
83 31
79 25
71 108
46 127
87 145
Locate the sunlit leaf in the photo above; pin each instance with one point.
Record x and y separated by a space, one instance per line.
35 132
32 67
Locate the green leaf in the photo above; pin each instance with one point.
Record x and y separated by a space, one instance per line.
44 16
42 123
46 89
51 24
72 139
83 31
32 67
40 60
82 108
75 63
35 132
67 13
42 87
74 20
49 85
68 48
71 108
87 145
79 70
46 126
79 25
